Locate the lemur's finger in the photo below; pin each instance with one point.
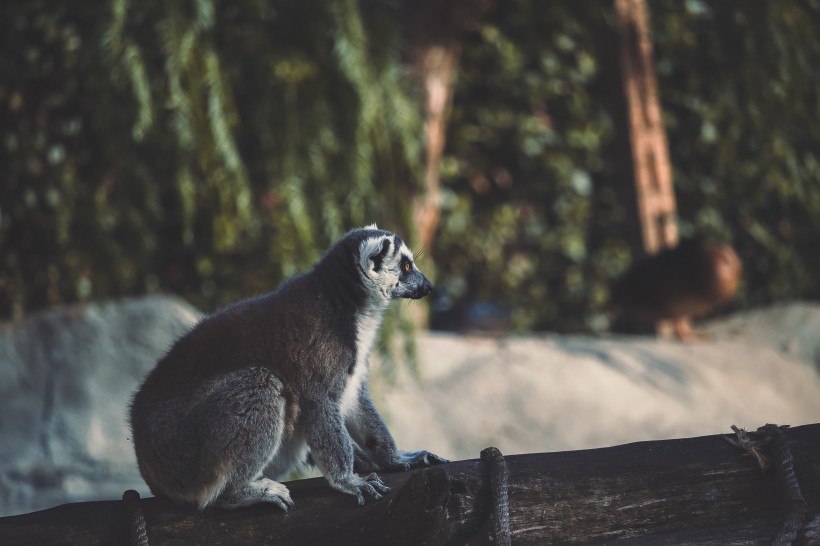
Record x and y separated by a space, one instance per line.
375 481
281 503
372 491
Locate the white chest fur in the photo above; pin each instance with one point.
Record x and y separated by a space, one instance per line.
367 327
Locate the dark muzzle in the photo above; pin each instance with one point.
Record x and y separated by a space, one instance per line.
423 289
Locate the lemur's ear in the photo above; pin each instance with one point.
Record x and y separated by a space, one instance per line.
373 252
379 256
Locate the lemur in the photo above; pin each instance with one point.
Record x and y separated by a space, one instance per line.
268 382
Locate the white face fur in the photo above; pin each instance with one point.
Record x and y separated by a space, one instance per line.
381 258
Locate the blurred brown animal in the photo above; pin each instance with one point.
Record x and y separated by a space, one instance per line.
678 284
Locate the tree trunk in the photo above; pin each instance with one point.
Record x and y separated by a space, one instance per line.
647 138
437 67
684 492
435 34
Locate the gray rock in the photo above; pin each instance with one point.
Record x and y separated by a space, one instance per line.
66 377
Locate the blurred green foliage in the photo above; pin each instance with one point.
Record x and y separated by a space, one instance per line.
211 149
534 213
205 148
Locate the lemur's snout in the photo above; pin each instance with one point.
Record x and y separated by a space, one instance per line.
424 289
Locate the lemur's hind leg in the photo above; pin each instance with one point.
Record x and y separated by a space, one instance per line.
242 432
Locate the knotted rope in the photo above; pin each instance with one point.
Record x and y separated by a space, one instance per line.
137 530
496 467
781 458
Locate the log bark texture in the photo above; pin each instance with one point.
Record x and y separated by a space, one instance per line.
690 491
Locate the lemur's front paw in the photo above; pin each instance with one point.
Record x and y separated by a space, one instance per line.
370 485
405 460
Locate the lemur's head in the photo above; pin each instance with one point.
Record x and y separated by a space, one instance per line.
387 265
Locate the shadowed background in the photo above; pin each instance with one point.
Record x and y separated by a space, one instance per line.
210 149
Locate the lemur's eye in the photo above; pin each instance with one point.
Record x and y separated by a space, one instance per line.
407 267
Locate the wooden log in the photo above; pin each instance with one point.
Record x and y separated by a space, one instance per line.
690 491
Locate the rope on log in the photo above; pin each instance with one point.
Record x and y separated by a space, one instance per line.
493 460
784 468
137 529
